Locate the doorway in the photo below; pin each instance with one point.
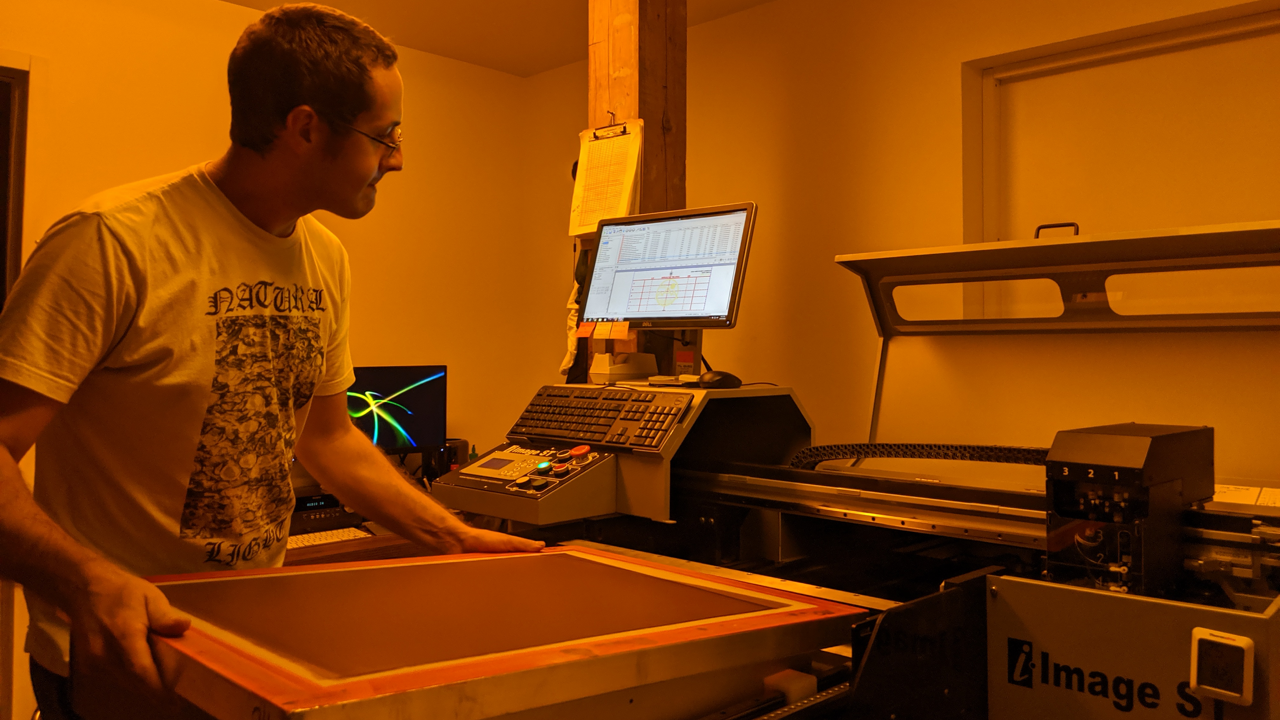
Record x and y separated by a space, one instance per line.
13 143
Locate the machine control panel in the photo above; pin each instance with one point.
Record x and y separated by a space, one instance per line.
636 419
534 484
528 471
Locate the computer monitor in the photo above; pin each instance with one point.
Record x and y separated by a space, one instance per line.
681 269
402 408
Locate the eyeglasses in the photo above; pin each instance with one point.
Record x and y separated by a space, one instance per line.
397 137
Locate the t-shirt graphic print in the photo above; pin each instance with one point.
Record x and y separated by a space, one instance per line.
266 368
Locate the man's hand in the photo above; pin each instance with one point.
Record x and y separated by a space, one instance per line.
488 541
111 660
110 624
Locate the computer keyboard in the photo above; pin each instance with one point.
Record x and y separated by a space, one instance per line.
618 417
326 536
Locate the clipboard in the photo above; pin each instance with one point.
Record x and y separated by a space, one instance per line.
608 175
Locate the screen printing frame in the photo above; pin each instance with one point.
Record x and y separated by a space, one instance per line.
740 271
230 677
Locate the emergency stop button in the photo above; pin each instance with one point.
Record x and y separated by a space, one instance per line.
580 451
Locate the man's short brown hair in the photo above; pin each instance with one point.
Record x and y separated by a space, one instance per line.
302 54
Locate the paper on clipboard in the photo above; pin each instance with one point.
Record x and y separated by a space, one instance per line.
608 163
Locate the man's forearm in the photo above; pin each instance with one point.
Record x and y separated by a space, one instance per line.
350 467
34 550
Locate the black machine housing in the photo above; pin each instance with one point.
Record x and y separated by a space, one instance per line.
1116 495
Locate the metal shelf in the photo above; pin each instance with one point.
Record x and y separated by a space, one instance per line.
1080 266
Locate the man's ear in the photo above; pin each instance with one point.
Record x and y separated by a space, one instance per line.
302 127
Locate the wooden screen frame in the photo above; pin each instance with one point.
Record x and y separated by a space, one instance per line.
208 665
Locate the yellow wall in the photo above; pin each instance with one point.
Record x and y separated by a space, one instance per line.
843 121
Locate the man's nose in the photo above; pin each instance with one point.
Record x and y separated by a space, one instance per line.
394 162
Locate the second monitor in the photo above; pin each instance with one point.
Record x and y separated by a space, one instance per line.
402 408
681 269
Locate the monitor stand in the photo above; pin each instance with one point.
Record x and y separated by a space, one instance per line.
610 368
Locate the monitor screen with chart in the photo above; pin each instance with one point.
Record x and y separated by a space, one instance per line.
678 269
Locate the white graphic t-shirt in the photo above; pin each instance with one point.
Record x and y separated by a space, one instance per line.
184 340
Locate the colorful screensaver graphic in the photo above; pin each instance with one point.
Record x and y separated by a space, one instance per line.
382 411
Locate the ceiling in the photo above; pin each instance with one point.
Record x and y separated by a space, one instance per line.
521 37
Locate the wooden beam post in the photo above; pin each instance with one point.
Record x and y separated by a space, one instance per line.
636 68
636 64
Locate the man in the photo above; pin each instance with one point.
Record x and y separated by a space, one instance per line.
175 343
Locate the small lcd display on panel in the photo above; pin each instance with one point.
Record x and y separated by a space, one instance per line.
401 408
1220 666
495 463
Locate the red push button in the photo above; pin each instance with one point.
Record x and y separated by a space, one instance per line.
580 451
